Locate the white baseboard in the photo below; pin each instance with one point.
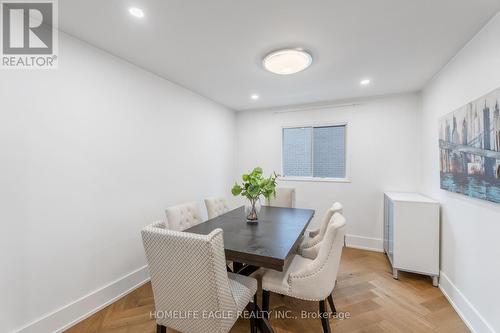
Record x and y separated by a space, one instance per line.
365 243
74 312
469 314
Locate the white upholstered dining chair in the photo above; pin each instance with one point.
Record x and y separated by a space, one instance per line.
189 277
182 217
285 197
309 247
307 279
216 206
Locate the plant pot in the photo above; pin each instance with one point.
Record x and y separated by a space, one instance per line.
252 209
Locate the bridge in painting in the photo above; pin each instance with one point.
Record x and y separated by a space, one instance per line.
468 149
471 146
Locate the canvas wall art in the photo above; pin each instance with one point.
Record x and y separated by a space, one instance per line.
469 145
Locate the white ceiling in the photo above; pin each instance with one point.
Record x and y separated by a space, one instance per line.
215 47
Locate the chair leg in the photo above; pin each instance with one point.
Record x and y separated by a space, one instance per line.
332 305
265 303
324 317
161 329
253 316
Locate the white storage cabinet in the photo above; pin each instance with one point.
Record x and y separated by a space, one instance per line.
411 234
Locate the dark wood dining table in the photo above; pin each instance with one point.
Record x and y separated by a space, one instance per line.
267 243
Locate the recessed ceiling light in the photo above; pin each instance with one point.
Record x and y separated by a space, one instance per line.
254 97
287 61
137 12
365 82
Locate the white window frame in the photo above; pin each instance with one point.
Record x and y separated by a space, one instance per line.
346 179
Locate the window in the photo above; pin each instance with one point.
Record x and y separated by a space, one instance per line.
314 152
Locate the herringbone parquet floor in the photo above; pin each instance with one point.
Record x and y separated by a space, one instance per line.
365 289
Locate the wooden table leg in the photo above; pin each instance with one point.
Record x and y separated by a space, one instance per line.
262 322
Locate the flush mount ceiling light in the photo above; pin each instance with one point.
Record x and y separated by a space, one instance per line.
254 97
137 12
365 82
287 61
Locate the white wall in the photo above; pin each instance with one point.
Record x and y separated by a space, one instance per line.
470 254
89 154
382 141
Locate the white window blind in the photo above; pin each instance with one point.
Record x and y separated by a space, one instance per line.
297 152
314 152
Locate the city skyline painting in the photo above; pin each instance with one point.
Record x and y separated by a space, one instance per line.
469 148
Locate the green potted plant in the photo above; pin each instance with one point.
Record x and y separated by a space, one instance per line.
253 186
